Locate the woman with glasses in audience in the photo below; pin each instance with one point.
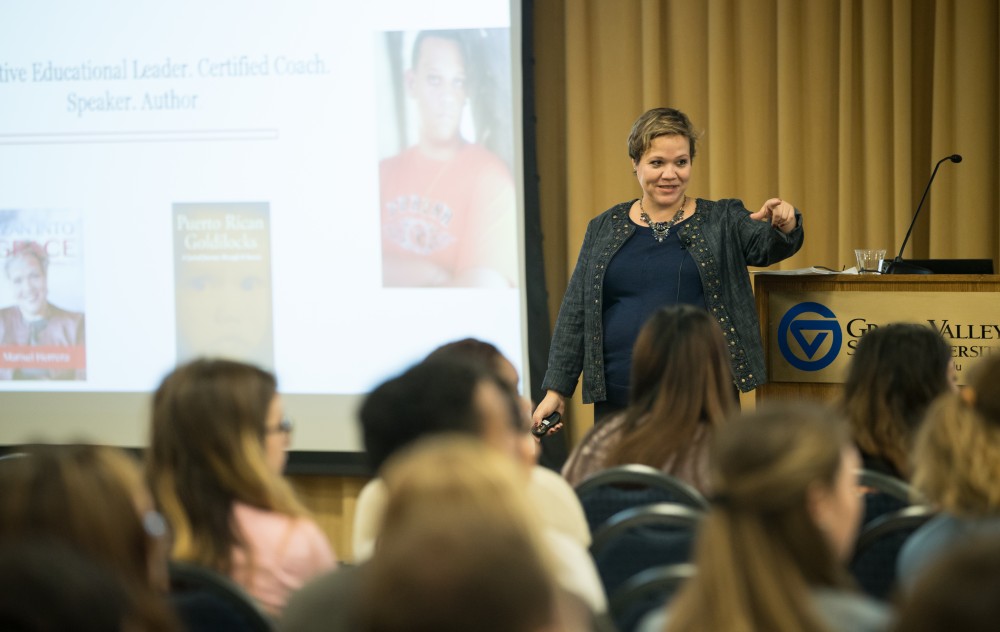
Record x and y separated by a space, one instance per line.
682 390
770 554
217 450
92 500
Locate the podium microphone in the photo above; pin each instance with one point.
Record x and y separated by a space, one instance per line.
897 265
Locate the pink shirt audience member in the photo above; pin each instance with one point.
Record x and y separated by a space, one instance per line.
285 553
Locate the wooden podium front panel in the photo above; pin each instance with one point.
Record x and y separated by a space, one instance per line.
819 319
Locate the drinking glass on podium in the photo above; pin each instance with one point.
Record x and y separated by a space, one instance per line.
869 260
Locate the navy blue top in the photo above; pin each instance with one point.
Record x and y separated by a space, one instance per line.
643 276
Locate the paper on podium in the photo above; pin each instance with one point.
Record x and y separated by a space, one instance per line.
813 270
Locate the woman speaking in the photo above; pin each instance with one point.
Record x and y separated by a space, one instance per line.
662 249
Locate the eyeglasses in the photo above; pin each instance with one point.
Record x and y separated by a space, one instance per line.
285 426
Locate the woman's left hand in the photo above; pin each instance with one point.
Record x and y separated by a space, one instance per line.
779 213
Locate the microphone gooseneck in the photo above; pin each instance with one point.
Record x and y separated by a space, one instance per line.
956 158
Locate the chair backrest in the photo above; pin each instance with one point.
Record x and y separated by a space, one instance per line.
874 562
612 490
207 600
884 494
646 591
886 484
643 537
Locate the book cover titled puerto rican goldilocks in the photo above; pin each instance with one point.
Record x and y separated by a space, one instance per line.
222 280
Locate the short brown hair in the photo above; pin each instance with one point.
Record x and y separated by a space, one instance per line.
659 122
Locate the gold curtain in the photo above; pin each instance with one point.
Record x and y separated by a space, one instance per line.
841 107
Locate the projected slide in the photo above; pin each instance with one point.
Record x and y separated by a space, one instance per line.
327 189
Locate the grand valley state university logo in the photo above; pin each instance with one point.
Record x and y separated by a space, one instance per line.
800 328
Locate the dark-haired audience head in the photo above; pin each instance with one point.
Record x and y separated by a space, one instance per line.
482 353
216 438
681 379
91 499
785 514
957 592
680 359
459 546
896 372
487 357
46 586
434 397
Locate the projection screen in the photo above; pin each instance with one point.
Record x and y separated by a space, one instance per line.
328 190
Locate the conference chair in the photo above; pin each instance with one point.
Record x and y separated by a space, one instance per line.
206 601
646 591
642 537
609 491
884 494
874 562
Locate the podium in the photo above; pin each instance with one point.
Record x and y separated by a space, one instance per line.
811 323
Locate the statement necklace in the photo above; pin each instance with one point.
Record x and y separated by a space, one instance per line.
662 229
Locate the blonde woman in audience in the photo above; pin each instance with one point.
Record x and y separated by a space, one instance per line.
956 460
682 390
218 447
93 500
460 548
770 554
896 372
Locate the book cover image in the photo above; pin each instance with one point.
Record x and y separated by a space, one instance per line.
222 281
42 323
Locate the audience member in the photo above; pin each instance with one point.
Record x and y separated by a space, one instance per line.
449 393
460 546
446 395
436 397
896 372
550 492
958 591
770 553
682 389
47 586
93 500
217 448
956 467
